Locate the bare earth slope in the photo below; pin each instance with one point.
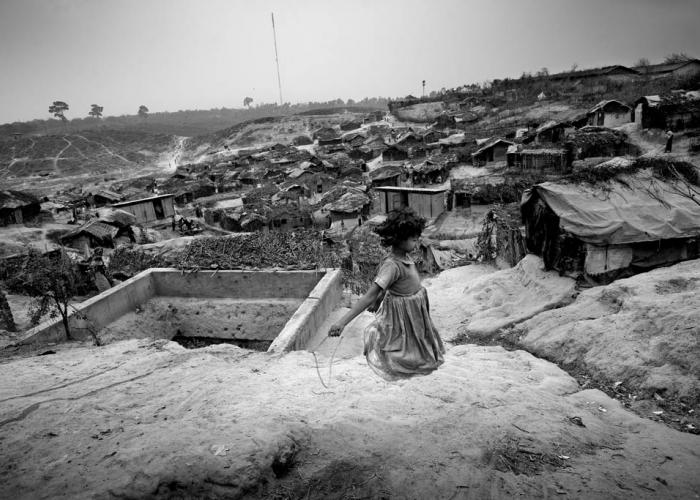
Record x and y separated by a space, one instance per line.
642 331
150 419
50 162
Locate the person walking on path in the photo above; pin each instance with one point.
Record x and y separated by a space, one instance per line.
669 141
402 341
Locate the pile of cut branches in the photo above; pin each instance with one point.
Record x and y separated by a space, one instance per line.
302 249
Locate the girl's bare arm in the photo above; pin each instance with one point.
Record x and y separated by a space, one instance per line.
365 301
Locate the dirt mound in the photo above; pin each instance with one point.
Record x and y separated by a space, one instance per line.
510 296
643 332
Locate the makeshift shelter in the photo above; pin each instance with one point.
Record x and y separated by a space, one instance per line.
17 206
104 197
349 208
286 218
302 140
149 209
616 73
609 113
550 132
677 111
253 222
426 202
601 141
676 69
327 136
116 217
430 171
491 151
394 153
386 175
627 225
540 160
92 234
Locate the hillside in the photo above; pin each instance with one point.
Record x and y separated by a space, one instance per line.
184 123
43 163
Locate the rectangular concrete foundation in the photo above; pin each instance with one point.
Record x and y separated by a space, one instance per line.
321 291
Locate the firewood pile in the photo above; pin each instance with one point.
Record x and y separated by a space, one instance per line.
301 249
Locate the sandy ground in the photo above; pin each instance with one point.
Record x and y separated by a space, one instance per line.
150 419
641 332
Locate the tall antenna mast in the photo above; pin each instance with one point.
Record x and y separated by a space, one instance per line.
274 37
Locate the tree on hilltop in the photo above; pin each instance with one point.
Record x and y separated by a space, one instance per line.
247 102
677 57
58 108
143 111
643 62
96 111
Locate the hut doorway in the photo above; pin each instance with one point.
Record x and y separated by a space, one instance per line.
158 208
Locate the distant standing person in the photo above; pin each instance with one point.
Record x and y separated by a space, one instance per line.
669 141
402 341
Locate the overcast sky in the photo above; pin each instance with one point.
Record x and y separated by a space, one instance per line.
199 54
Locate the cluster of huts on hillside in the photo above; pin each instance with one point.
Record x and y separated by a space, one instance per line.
338 177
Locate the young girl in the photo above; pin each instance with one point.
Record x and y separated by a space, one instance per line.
402 341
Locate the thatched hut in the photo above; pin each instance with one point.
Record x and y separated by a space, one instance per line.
17 206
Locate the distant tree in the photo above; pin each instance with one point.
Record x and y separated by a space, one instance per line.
574 67
351 102
143 111
58 108
96 111
247 102
642 63
51 282
544 72
677 57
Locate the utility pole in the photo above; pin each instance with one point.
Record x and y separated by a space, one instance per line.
277 62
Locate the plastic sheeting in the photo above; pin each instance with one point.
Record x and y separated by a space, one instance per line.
634 210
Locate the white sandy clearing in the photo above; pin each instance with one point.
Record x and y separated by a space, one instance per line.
142 419
507 297
643 331
149 419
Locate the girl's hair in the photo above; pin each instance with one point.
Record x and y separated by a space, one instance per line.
400 225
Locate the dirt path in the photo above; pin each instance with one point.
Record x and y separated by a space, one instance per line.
58 156
169 161
116 155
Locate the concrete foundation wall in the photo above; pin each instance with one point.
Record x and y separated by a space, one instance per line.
301 327
235 284
321 290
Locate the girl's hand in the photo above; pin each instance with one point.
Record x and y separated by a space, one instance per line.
336 330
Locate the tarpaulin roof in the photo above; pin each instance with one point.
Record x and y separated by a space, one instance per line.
638 209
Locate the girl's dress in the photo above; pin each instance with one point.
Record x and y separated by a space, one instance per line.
402 341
